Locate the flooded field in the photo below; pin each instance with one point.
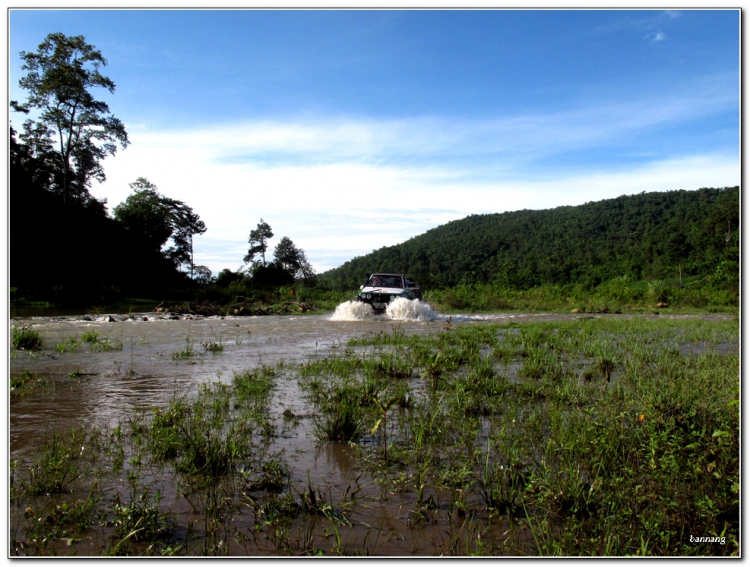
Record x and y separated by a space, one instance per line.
408 433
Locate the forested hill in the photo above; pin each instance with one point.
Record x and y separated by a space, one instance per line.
645 236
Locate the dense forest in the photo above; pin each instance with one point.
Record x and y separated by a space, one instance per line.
67 249
669 235
65 246
72 251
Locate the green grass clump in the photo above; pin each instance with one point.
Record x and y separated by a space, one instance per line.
99 344
90 336
106 345
26 380
23 337
212 434
69 344
255 385
139 519
197 438
185 352
213 347
55 470
342 422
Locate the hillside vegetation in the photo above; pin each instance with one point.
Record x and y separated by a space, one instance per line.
673 235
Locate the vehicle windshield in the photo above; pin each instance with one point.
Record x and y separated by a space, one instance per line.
384 281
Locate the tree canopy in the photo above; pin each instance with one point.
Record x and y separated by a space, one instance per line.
292 259
647 236
60 77
87 256
258 241
158 218
289 261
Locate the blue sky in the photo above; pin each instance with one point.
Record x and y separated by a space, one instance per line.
351 130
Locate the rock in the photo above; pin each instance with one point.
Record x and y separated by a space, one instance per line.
576 311
110 319
661 305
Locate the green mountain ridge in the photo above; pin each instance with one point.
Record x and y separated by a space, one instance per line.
658 235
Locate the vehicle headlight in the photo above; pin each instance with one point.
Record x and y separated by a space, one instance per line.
368 295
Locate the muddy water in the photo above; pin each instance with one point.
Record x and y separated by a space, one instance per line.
143 373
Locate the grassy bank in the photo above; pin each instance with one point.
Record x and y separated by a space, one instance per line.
619 295
584 437
718 293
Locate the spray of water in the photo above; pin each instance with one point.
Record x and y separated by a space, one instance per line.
353 311
400 309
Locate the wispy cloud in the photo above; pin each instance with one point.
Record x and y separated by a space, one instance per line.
274 144
343 186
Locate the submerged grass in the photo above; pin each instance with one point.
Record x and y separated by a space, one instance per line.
585 437
591 430
27 380
185 352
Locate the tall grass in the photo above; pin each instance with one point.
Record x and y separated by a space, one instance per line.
617 295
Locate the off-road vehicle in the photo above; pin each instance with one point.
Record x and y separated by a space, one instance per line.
381 289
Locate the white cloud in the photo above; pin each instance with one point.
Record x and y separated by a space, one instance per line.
661 36
343 187
266 144
339 210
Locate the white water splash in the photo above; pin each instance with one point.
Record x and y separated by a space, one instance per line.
400 309
353 311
